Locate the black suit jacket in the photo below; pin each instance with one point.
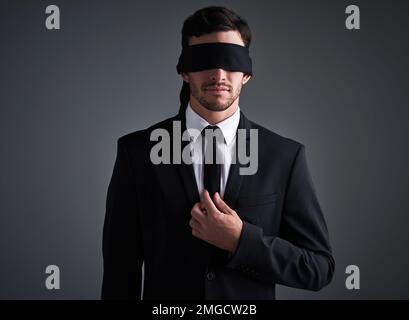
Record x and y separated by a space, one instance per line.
284 238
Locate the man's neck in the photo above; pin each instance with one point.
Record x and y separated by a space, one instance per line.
213 117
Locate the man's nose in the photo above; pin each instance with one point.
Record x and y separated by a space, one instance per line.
218 74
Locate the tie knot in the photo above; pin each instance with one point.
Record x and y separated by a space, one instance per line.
210 128
210 132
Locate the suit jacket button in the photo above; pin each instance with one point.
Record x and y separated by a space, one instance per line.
210 276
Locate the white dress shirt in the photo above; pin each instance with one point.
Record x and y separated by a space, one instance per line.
228 127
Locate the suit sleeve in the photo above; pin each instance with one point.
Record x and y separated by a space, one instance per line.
122 243
300 256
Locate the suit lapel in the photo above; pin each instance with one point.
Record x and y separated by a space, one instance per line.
234 179
186 171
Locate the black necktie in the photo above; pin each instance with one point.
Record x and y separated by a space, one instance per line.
211 180
211 169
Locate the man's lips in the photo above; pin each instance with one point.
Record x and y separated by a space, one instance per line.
217 89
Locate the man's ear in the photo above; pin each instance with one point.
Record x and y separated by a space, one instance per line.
185 77
246 78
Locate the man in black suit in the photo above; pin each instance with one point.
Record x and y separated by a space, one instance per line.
208 231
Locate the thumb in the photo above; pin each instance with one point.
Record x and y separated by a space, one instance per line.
221 205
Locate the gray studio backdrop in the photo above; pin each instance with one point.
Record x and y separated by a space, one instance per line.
68 94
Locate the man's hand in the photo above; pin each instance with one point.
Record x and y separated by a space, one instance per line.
215 222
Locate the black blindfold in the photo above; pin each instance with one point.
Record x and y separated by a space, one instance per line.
226 56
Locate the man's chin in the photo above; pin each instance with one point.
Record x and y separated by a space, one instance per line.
217 108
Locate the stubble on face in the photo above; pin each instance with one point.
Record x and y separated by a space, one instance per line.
214 103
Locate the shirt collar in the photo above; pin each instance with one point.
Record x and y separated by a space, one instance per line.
197 123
